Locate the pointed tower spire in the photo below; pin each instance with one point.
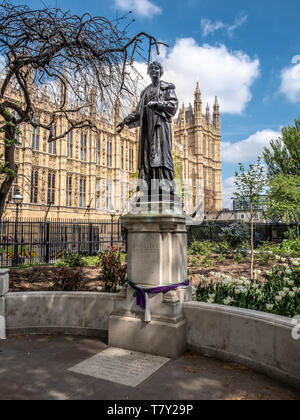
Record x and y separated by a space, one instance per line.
198 102
93 102
182 115
117 112
216 116
207 114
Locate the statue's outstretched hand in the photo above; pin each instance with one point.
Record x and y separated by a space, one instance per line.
120 127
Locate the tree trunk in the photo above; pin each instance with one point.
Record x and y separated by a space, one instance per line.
9 162
252 243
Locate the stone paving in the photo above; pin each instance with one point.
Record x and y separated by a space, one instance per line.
36 368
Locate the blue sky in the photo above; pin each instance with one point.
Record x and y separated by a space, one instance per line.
239 50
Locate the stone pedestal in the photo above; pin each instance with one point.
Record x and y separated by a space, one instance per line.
4 285
157 255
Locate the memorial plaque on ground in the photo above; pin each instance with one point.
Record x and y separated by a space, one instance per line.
122 366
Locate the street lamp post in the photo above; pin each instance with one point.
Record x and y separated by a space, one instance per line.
112 214
17 199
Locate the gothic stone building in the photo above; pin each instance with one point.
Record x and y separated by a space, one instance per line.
87 175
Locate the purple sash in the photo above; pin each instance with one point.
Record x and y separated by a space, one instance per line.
141 292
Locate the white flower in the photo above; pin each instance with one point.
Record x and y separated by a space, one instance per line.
288 271
283 260
257 272
256 285
295 262
296 289
292 294
277 257
281 294
278 298
212 296
268 273
286 290
270 252
99 289
285 265
119 288
290 282
228 301
270 307
286 279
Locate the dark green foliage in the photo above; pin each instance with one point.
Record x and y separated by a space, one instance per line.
114 273
74 260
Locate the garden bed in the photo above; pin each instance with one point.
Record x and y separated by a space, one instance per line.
42 279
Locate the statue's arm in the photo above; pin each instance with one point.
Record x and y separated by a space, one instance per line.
132 121
170 104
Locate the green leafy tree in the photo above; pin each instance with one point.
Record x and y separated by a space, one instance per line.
283 156
250 188
284 198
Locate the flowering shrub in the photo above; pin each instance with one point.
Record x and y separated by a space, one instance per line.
114 272
235 234
280 294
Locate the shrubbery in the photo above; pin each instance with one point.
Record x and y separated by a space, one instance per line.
114 271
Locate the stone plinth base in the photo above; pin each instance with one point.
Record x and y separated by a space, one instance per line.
157 256
158 338
4 286
157 248
165 204
164 336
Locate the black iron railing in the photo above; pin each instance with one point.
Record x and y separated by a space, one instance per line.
39 241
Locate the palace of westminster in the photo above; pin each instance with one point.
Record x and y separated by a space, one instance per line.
87 176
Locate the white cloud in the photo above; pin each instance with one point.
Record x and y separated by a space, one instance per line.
227 74
290 83
144 8
2 67
228 189
249 149
209 27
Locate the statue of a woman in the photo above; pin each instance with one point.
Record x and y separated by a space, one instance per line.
158 104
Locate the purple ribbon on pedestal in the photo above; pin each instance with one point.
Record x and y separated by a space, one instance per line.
141 298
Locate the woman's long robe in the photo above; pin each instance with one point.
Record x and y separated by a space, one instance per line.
155 147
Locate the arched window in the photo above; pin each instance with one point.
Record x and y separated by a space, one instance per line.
34 186
69 191
52 145
51 188
83 147
70 145
36 136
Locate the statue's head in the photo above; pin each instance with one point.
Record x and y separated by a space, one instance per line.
154 66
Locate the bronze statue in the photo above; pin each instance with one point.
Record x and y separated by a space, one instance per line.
158 104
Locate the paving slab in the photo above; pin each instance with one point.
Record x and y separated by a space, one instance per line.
37 368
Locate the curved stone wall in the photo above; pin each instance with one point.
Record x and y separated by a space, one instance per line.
81 313
258 340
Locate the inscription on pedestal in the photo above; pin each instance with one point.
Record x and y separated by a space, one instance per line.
145 257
